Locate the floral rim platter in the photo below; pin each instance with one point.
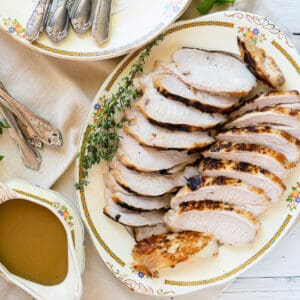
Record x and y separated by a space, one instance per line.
133 24
114 244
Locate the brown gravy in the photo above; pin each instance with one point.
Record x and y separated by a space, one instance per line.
33 242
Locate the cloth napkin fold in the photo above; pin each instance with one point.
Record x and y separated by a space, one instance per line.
60 92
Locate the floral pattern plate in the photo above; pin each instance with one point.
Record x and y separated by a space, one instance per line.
134 23
114 244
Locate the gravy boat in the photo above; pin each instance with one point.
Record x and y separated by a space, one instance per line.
71 287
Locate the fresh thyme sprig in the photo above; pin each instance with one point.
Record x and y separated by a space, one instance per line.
2 125
103 139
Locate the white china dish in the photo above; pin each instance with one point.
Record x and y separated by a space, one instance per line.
133 24
213 32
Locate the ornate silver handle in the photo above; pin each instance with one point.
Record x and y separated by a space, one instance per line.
58 20
37 20
46 132
101 24
30 157
81 14
28 133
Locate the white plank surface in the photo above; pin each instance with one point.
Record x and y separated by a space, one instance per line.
286 12
276 277
296 40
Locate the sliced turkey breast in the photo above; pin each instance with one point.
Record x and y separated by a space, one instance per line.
293 131
224 189
273 98
141 203
149 184
166 250
227 223
172 87
261 65
250 174
147 159
208 71
111 183
128 217
175 115
295 106
155 136
258 155
275 139
267 115
141 233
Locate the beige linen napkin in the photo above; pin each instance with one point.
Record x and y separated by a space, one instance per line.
62 91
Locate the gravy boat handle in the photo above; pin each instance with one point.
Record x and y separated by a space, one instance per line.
6 193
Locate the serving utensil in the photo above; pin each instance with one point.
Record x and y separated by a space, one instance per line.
58 20
81 15
30 157
28 132
101 24
38 127
37 20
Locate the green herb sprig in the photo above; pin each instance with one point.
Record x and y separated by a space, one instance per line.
3 125
206 5
103 139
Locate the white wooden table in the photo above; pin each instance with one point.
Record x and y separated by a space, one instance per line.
277 276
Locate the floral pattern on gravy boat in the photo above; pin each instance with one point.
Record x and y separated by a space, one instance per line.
71 286
112 241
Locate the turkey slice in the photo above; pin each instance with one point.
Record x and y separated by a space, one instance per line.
227 223
275 139
149 184
213 72
223 189
258 155
141 203
141 233
148 159
250 174
273 98
128 217
268 115
175 115
155 136
260 64
159 252
175 89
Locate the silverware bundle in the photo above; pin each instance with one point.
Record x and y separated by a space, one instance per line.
56 15
28 130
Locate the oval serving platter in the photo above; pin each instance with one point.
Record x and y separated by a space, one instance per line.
114 244
133 24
